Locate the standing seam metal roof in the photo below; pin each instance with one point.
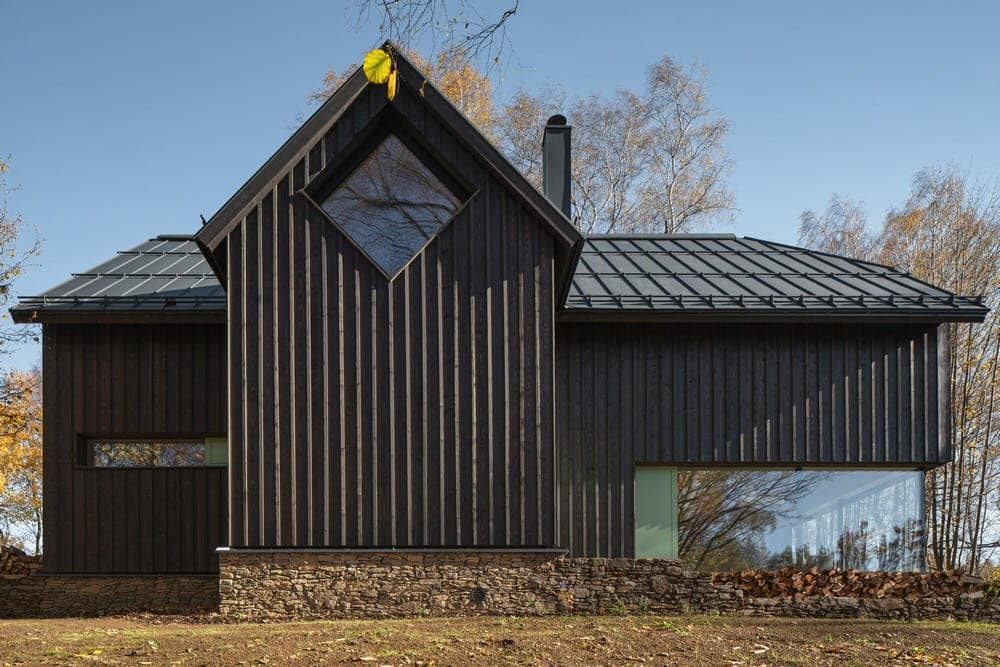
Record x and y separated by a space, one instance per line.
168 272
711 273
724 273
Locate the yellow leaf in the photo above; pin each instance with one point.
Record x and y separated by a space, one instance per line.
392 86
377 66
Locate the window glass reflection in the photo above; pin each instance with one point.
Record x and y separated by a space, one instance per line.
732 520
391 205
144 454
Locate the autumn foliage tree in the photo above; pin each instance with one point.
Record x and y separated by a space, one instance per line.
20 456
20 407
651 160
468 89
947 233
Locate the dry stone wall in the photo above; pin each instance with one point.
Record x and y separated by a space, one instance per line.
261 585
54 595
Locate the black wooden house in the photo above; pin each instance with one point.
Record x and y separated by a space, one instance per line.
388 338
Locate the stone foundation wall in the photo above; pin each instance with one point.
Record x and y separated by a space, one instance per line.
54 595
262 585
376 584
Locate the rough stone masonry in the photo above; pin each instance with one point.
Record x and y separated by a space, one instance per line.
55 595
272 585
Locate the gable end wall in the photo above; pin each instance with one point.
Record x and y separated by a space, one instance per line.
417 412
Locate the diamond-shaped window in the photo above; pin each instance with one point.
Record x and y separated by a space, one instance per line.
391 205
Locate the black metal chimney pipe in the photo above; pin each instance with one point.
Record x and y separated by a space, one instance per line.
556 163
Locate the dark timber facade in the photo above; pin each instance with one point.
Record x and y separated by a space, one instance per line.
358 393
764 395
498 391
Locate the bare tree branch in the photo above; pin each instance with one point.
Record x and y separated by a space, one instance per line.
16 253
456 29
649 161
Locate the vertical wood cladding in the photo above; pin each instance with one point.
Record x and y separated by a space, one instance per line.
132 380
376 413
715 395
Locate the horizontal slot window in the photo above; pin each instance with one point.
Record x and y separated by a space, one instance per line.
862 519
155 453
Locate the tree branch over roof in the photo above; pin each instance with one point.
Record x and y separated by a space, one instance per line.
455 28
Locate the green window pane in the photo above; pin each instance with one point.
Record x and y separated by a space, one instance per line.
216 451
655 512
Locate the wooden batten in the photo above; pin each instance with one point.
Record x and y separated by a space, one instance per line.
142 380
722 395
410 412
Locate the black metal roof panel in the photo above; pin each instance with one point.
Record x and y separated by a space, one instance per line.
168 273
721 273
636 275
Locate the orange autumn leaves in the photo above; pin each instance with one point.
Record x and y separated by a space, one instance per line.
20 451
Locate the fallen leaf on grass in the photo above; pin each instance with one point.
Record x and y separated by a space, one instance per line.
93 655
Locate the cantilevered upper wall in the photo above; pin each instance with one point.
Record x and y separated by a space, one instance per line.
713 351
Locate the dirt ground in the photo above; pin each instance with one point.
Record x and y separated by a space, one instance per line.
580 640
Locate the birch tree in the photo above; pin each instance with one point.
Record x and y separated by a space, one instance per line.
651 160
947 233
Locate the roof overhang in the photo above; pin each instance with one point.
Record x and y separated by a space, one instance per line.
775 316
27 315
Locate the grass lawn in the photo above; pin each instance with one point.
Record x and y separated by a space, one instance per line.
573 640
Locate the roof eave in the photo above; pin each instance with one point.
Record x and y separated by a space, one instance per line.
571 314
28 315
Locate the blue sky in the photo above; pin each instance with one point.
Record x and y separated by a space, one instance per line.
128 119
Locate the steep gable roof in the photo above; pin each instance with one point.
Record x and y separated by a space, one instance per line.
297 146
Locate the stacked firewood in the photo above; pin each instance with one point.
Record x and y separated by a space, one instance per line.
795 584
16 563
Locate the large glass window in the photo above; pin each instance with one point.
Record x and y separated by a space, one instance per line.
155 453
731 520
391 205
